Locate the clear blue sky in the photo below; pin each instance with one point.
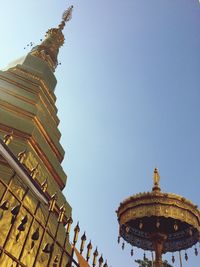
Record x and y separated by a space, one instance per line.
128 98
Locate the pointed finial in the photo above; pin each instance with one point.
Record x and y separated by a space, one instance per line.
89 248
34 171
54 39
67 15
96 253
69 223
76 232
8 138
44 185
156 180
83 239
52 202
21 156
61 213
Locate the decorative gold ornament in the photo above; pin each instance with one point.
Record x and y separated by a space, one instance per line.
54 39
89 248
83 239
8 138
95 255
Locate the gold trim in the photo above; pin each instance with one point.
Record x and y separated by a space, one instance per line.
22 112
37 78
35 146
161 205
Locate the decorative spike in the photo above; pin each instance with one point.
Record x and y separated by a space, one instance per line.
89 248
105 264
21 156
8 138
44 185
52 202
34 171
61 214
83 239
100 261
69 223
95 255
76 232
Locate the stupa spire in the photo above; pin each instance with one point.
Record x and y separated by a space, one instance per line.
67 15
54 39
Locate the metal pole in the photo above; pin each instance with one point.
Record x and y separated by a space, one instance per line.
180 258
152 257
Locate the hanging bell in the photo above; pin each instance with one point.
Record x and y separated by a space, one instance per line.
140 225
176 226
190 232
118 239
35 235
186 256
196 251
8 138
56 259
132 253
5 205
123 245
157 224
15 210
173 259
144 257
47 248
